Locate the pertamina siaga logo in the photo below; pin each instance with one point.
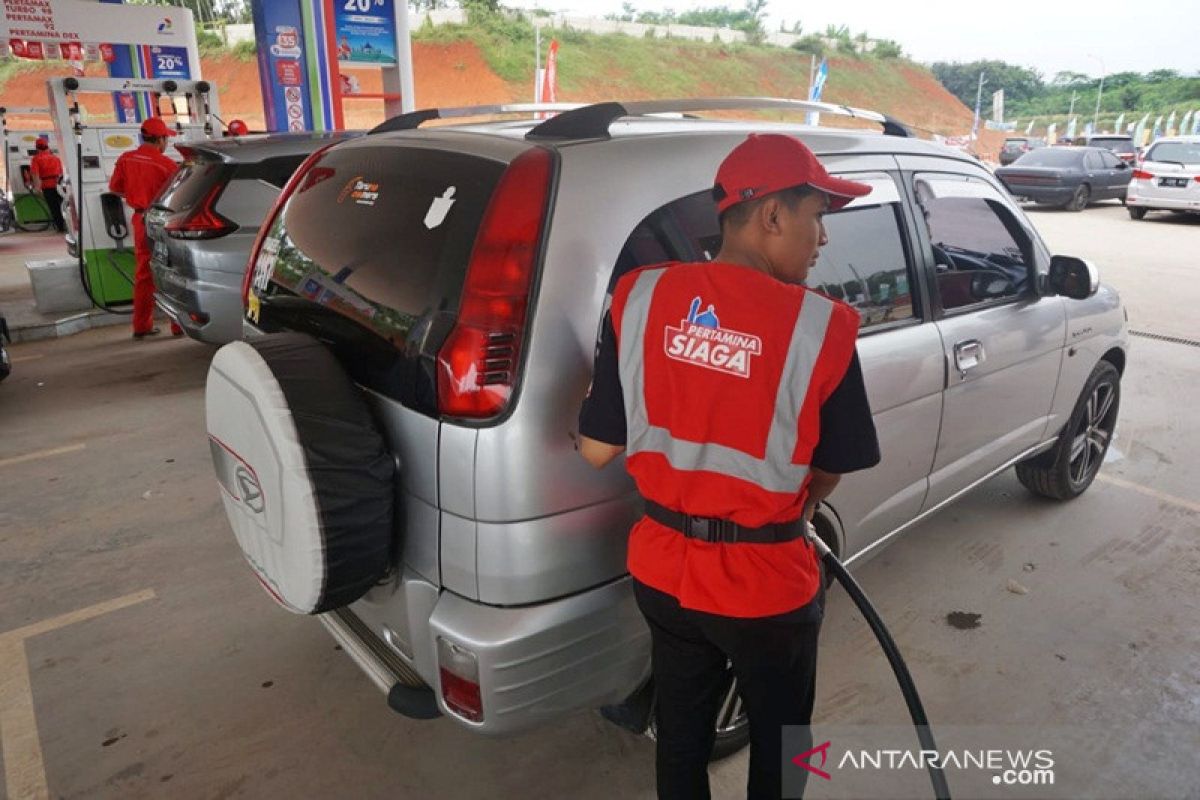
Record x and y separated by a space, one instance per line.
362 192
165 26
701 341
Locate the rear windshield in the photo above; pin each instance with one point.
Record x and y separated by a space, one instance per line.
194 179
1013 144
1121 145
370 254
1048 157
1175 152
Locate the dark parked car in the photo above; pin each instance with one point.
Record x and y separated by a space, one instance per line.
1017 146
1120 144
1070 177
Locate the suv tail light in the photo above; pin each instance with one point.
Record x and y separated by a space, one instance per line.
477 364
202 223
459 672
1141 175
269 220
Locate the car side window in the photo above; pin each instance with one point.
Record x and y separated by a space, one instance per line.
1110 161
1092 160
866 261
981 252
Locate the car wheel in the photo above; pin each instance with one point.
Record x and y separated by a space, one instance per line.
733 725
1136 212
1069 468
1079 200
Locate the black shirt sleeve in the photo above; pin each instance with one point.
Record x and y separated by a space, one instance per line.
603 414
848 441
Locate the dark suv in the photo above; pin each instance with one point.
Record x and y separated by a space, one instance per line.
1121 145
1017 146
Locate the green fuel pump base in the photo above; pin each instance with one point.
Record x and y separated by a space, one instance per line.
938 778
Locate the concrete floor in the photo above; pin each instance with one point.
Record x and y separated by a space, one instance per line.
138 658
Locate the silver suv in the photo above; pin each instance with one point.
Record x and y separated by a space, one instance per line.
458 275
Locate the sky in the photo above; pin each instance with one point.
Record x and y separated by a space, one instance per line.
1087 37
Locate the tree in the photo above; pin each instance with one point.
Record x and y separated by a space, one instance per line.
962 80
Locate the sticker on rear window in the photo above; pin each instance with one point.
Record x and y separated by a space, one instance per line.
439 208
360 191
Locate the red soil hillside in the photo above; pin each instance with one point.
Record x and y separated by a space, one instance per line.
457 74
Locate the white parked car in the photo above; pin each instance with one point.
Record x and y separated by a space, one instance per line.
1168 178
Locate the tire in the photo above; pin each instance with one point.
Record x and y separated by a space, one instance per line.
1081 198
306 479
1136 212
733 726
1068 469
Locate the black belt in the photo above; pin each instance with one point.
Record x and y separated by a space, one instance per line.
711 529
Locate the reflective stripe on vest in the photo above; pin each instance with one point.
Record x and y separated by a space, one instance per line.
775 472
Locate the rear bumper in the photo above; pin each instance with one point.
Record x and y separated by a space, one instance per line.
536 662
1042 194
1158 198
215 299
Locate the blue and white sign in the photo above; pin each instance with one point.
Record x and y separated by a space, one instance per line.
169 62
365 31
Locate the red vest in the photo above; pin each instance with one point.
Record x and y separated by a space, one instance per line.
724 370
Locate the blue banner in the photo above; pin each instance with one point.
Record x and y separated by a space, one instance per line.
282 68
365 31
169 62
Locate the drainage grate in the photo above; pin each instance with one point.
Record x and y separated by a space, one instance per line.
1161 338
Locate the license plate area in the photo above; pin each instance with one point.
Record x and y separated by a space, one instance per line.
1173 183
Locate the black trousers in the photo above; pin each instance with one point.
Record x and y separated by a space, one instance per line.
775 662
54 203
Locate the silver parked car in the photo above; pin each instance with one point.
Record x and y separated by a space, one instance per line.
1168 179
204 223
458 275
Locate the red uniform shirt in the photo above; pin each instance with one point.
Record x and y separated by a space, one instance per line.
140 175
724 375
48 169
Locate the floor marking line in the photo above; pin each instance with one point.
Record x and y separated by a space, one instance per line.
71 617
56 451
24 770
23 359
24 767
1150 492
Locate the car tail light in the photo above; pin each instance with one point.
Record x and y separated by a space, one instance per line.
477 364
202 223
459 672
198 317
1142 175
269 220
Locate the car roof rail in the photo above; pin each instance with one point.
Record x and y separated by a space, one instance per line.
593 121
414 119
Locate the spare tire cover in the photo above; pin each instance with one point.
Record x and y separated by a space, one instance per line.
305 476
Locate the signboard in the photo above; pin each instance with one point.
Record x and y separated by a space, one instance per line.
282 66
365 31
169 62
998 106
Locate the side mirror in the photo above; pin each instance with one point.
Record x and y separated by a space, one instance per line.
1073 277
1122 165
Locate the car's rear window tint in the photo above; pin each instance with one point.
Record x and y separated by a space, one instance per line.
1179 152
275 170
1121 145
194 179
1014 144
1049 157
370 254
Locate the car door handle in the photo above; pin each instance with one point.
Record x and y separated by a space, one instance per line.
968 354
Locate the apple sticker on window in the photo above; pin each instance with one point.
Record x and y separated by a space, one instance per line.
439 208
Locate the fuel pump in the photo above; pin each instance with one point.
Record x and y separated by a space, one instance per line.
97 229
29 207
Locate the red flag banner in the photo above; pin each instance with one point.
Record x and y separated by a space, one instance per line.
550 81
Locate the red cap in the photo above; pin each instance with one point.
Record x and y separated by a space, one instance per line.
157 128
771 162
238 128
42 143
